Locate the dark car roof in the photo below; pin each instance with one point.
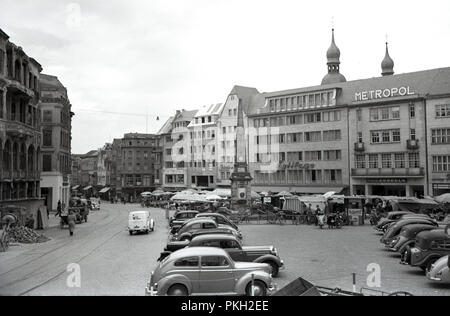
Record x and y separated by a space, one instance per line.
212 231
433 234
413 227
221 236
184 212
200 220
404 222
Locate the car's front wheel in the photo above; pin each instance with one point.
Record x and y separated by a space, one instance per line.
259 289
177 290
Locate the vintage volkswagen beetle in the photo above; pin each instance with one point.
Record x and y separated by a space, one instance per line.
208 271
180 217
219 218
440 271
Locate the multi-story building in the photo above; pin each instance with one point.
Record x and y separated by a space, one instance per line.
226 131
202 152
140 153
176 173
56 141
20 130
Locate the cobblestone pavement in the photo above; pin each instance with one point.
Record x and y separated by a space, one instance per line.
114 263
329 257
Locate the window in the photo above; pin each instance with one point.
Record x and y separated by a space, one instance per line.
385 136
441 163
443 110
412 134
396 136
386 161
332 155
373 161
47 138
399 160
187 262
47 116
360 161
313 155
375 137
214 261
329 136
414 161
360 137
313 136
412 111
386 113
46 163
440 136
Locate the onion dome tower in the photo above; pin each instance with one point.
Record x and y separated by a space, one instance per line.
387 65
333 55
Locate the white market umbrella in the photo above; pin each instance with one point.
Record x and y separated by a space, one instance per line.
444 198
213 197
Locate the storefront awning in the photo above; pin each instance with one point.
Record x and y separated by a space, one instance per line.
104 190
298 190
75 187
87 188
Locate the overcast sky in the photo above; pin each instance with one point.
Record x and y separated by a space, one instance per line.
156 56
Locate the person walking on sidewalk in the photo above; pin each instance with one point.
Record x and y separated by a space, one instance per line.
58 209
71 218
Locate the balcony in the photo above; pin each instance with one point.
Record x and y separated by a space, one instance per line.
412 144
389 172
359 147
19 129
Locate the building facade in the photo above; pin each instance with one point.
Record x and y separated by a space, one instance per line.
202 153
20 130
56 141
386 135
140 155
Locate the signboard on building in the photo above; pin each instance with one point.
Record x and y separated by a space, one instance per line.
383 94
267 200
295 165
387 180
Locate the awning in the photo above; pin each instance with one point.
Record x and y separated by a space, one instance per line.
104 190
75 187
87 188
298 190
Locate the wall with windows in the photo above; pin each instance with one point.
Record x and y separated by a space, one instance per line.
438 119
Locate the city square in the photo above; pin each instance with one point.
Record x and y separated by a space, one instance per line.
224 148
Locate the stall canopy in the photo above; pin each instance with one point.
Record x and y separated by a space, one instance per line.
104 190
87 188
444 198
225 193
75 187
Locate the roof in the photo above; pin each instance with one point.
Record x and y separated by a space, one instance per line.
423 83
197 251
250 97
433 234
3 34
213 109
184 115
167 127
214 236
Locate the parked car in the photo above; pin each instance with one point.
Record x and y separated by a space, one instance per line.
231 244
440 271
390 217
180 217
140 221
395 229
187 237
193 226
219 218
389 223
208 271
429 247
407 237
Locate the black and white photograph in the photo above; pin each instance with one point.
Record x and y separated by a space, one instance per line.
218 150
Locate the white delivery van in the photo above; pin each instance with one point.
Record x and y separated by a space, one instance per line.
140 221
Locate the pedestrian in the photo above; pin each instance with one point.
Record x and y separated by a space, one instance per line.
58 209
71 218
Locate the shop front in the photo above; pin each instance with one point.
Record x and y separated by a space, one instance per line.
389 187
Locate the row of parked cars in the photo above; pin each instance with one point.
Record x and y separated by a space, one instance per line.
420 241
205 255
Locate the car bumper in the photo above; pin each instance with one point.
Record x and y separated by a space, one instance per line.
150 291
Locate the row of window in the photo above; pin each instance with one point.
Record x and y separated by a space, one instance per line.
385 136
312 176
315 155
440 136
304 101
397 160
316 117
441 163
327 136
385 113
139 180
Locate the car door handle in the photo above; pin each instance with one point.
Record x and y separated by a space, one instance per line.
230 272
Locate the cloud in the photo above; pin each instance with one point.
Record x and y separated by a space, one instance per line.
157 56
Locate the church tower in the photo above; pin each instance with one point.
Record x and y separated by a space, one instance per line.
333 63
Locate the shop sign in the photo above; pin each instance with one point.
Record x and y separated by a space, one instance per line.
383 94
295 165
394 180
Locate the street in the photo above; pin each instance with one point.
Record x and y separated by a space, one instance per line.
114 263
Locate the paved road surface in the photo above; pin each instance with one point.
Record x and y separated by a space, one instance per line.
112 262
